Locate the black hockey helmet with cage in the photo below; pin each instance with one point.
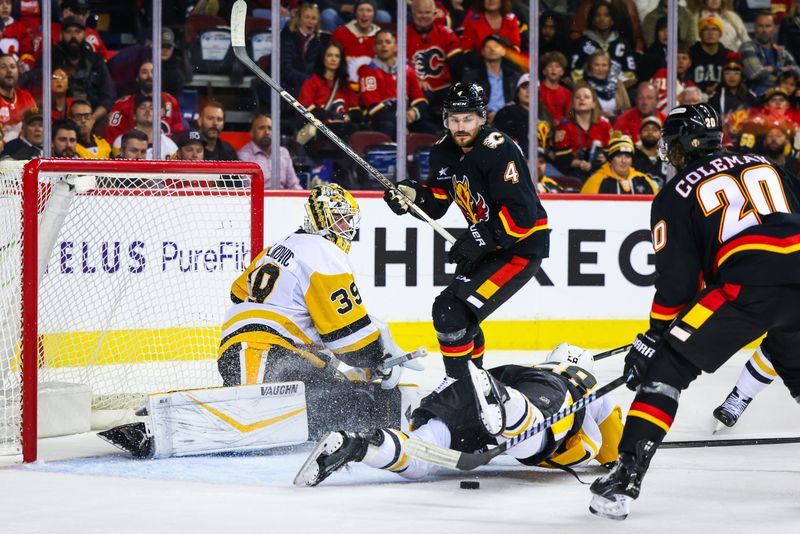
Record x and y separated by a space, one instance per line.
465 98
695 127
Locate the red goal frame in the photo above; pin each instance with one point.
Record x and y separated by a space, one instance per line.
29 275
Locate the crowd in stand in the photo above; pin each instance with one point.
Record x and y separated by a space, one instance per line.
601 82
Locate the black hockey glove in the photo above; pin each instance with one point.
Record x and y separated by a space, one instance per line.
471 247
638 358
398 203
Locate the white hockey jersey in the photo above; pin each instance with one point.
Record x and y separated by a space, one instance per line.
299 293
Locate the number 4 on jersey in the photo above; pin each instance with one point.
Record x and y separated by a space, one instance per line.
511 174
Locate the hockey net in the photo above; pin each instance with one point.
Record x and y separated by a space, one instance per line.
115 275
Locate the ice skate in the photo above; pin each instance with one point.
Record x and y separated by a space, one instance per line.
729 412
490 399
614 492
332 453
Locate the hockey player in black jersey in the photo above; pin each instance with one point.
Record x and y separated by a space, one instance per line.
727 240
450 420
485 173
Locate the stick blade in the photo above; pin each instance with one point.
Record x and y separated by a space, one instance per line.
238 19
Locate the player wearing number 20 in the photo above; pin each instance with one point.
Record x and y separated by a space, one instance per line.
727 239
484 172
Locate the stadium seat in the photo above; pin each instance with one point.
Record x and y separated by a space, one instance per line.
197 23
415 141
571 184
211 51
359 141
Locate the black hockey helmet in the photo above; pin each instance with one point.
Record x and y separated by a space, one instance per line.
463 98
695 128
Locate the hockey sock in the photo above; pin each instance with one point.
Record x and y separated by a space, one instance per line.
388 454
478 349
757 374
456 355
521 415
650 416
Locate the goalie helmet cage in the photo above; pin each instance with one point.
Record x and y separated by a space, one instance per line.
120 269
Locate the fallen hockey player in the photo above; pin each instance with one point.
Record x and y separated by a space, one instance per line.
450 419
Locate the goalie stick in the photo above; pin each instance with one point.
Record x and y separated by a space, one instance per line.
467 461
238 18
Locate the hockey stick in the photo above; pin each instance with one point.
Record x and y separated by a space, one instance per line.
612 352
238 17
727 442
467 461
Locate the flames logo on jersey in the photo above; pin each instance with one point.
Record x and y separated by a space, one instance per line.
473 207
429 63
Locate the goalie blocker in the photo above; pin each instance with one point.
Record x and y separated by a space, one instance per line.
257 417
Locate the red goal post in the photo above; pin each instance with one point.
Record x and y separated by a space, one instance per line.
120 186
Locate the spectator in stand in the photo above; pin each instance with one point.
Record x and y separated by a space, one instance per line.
617 176
59 85
89 146
143 121
133 145
777 149
734 33
173 64
686 24
357 38
378 83
780 8
630 122
626 21
28 144
456 11
582 135
490 17
789 81
496 75
602 34
328 95
655 57
553 95
764 60
646 156
776 111
689 96
434 51
337 13
513 118
708 55
552 34
14 102
190 145
683 78
301 46
732 94
64 138
789 32
88 74
120 118
259 150
15 38
80 9
611 91
211 123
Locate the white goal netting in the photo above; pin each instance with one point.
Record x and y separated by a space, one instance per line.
139 262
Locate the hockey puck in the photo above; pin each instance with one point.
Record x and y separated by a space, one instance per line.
470 484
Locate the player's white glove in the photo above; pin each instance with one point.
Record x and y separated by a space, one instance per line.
395 358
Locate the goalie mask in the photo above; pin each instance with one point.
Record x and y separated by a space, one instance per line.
332 212
570 354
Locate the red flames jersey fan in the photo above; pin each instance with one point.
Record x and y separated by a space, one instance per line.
429 52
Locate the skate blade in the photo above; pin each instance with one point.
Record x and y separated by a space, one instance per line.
617 509
492 427
718 426
308 475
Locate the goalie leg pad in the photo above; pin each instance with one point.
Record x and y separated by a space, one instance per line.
241 418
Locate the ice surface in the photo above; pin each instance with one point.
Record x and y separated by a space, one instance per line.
731 489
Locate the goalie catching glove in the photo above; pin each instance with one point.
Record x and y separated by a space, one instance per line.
403 196
471 247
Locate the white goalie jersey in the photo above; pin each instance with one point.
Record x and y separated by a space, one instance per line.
300 294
